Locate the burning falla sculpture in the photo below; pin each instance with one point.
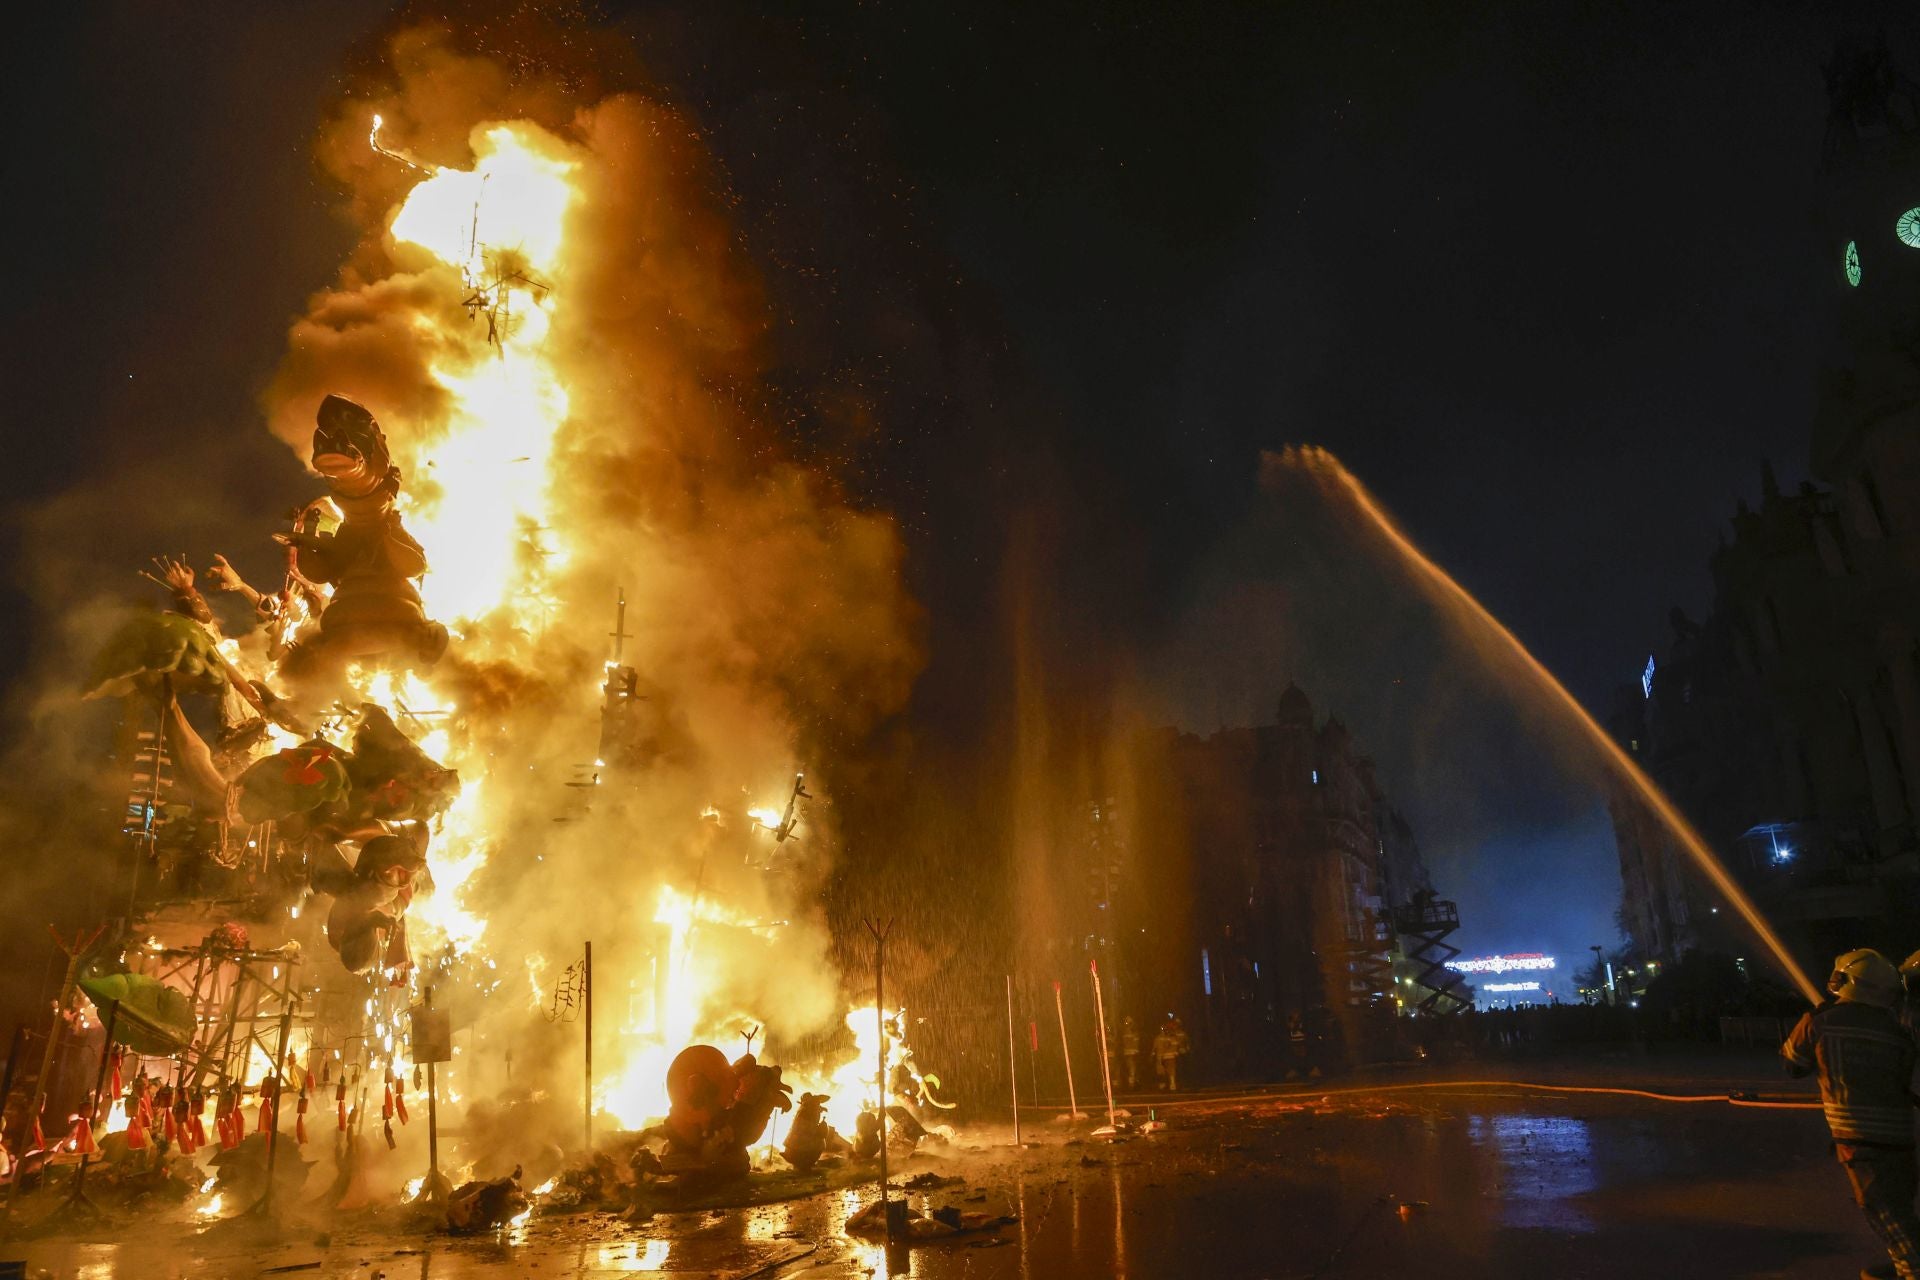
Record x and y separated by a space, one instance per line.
370 560
355 820
810 1137
718 1109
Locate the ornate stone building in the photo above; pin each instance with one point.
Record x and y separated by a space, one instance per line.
1787 724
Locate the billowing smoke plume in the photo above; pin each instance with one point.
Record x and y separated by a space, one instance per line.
592 437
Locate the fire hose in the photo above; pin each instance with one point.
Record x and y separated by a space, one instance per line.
1731 1099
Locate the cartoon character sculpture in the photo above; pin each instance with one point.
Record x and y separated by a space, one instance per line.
810 1137
717 1109
381 794
367 924
370 559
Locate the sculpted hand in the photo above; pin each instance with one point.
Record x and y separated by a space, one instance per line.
224 576
173 574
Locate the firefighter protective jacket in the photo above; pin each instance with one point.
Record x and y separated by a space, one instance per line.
1865 1059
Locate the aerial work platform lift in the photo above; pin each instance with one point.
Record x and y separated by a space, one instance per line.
1424 925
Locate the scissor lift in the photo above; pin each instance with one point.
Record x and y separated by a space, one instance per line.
1424 926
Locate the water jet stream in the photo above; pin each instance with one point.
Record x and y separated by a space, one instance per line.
1330 471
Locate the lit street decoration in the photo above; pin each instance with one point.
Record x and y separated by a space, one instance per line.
1851 262
1523 960
1512 986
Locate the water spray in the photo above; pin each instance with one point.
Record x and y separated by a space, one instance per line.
1331 473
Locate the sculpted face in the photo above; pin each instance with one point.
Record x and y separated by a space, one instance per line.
349 448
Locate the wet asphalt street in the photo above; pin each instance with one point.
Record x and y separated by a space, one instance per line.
1455 1179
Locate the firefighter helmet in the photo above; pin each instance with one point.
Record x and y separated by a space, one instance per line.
1867 977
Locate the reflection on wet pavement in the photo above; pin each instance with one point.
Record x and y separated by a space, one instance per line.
1468 1183
1540 1163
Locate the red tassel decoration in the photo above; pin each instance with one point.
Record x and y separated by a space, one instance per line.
340 1101
228 1120
119 1085
136 1135
400 1098
83 1136
386 1106
197 1117
300 1120
182 1119
387 1128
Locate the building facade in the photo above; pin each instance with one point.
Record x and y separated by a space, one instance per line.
1293 859
1786 724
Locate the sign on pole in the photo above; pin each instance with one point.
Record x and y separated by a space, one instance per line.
432 1034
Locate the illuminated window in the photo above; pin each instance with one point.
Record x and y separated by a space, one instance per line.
1206 972
1316 777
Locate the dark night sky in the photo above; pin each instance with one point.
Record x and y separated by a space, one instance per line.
1544 276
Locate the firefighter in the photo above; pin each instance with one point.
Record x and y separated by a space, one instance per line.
1169 1043
1865 1057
